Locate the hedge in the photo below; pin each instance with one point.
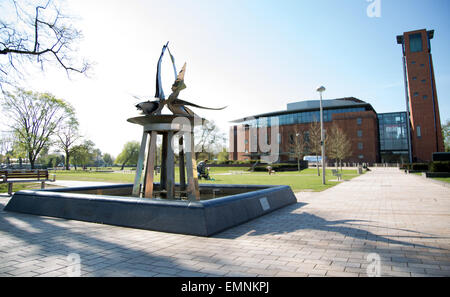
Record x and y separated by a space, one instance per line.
420 167
282 167
440 166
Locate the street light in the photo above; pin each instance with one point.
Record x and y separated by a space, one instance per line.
322 138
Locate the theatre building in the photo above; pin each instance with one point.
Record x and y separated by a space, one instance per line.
398 137
355 117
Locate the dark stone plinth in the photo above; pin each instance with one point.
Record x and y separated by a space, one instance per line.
203 218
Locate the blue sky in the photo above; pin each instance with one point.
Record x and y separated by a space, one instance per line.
253 55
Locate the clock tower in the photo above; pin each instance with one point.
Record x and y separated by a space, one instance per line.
422 102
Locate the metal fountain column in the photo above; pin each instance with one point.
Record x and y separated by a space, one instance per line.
169 127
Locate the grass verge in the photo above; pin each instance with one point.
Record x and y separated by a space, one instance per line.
444 179
299 181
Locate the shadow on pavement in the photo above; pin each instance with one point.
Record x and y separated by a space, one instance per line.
286 220
54 238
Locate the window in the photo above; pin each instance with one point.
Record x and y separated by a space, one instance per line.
416 94
360 133
360 146
419 132
306 137
246 141
359 121
414 77
415 43
422 65
425 97
413 62
424 80
361 157
393 132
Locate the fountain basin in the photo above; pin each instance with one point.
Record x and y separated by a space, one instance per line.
113 205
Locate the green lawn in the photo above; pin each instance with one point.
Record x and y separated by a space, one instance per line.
23 186
304 180
444 179
114 177
18 187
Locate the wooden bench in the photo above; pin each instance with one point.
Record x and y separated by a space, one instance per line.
24 176
336 173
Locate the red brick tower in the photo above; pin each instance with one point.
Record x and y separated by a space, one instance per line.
422 102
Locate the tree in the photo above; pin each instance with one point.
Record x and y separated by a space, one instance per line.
223 156
67 136
108 159
299 143
208 138
33 119
315 140
82 154
54 160
129 154
6 147
97 157
37 31
338 144
446 135
44 155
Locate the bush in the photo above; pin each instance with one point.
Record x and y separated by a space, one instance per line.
279 167
405 166
419 167
440 166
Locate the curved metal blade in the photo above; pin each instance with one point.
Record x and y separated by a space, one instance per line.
183 102
159 90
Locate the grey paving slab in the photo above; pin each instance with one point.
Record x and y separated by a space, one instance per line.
401 219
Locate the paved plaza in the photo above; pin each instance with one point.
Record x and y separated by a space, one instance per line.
401 220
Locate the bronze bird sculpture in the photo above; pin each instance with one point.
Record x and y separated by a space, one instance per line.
175 105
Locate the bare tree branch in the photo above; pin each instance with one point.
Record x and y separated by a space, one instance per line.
40 32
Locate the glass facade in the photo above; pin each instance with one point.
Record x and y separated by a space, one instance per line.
393 131
299 117
415 43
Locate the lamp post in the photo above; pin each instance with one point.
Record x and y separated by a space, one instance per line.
322 138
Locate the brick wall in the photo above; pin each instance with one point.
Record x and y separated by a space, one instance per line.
424 110
346 121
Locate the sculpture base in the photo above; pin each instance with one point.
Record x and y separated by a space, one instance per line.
167 126
201 218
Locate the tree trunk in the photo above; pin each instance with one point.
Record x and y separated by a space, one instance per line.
317 164
32 160
67 160
123 164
